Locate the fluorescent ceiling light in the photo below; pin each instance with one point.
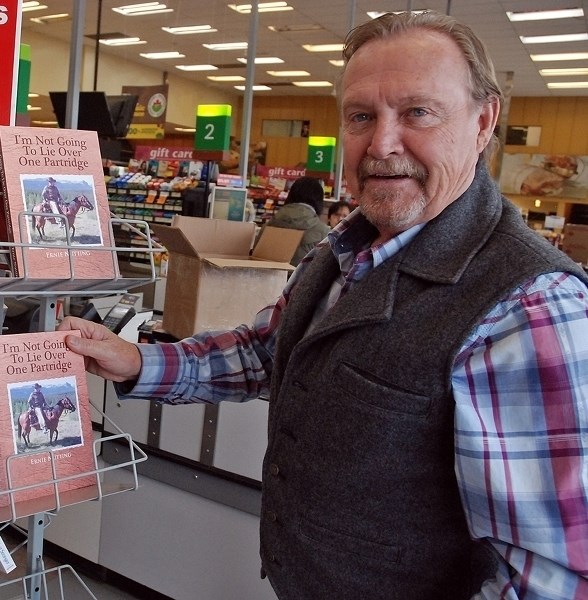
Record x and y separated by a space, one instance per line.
312 83
263 60
43 123
561 56
29 107
225 78
540 15
548 39
44 20
32 5
189 29
337 63
158 55
568 85
288 73
255 88
294 28
185 129
227 46
129 41
374 14
245 9
323 47
558 72
33 95
144 8
196 67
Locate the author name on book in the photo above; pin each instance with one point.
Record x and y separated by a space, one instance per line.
61 151
36 357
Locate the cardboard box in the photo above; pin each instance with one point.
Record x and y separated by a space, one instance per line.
575 242
212 281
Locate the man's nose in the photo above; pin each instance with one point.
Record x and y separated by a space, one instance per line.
386 139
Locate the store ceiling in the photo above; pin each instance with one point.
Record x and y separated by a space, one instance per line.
315 22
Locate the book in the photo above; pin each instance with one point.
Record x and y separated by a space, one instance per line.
41 471
56 174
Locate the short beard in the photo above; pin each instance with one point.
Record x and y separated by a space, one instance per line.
390 211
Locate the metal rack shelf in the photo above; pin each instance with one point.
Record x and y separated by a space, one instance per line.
71 286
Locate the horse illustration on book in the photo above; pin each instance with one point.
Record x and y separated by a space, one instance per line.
28 420
69 211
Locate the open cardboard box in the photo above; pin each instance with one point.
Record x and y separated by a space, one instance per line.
212 280
575 242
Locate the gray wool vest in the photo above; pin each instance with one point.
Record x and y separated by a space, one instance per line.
360 500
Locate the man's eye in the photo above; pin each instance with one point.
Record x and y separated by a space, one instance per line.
359 118
418 112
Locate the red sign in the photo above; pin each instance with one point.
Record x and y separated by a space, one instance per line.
10 13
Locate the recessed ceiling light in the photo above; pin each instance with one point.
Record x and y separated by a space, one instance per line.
189 29
196 67
337 63
540 15
568 85
263 60
48 18
323 47
255 88
225 78
288 73
158 55
560 72
373 14
549 39
32 5
294 28
245 9
227 46
129 41
144 8
312 83
560 56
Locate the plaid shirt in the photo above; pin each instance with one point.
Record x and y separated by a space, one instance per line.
520 386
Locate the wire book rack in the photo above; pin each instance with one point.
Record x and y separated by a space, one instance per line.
48 584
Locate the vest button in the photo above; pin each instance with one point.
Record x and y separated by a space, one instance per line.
271 516
274 469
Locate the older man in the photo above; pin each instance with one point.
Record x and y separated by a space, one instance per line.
427 363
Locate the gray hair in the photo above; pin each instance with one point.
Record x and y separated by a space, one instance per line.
483 83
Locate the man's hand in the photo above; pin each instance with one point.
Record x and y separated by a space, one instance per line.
106 354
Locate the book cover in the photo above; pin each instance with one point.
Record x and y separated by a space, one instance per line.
43 466
56 173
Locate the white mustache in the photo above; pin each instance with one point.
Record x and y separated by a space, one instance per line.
396 166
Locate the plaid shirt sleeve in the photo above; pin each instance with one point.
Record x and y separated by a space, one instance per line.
521 439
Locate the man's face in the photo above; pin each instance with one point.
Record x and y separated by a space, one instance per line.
412 132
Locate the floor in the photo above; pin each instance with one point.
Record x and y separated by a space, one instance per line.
58 580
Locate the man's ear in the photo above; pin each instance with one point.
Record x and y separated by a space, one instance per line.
487 122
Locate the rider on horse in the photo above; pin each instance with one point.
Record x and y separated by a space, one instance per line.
52 197
37 404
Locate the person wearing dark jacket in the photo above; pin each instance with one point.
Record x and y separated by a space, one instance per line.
301 211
